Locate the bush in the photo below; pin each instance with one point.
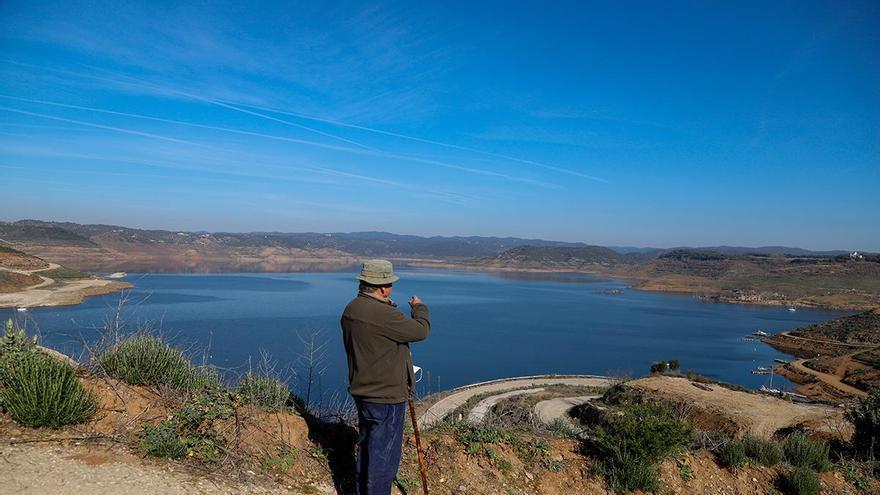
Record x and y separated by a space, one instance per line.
148 360
264 391
630 446
14 344
804 452
38 391
764 452
801 481
659 367
865 417
733 455
162 440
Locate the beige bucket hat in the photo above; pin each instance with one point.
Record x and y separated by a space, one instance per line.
378 272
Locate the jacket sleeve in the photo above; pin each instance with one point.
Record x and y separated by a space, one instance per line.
401 329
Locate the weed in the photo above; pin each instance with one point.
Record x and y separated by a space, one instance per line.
282 462
554 465
764 452
801 481
801 451
407 484
264 391
503 464
38 390
162 440
685 470
854 476
733 455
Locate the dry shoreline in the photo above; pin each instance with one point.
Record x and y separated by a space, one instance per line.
50 292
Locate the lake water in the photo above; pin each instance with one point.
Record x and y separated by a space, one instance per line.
485 326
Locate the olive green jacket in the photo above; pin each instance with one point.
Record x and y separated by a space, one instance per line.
376 337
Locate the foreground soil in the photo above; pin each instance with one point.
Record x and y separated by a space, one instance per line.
103 456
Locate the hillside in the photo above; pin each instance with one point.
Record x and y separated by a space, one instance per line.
839 359
774 279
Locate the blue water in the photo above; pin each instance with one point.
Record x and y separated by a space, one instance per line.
485 326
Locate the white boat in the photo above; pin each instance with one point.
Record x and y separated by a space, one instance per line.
761 333
769 390
781 361
21 310
792 309
760 370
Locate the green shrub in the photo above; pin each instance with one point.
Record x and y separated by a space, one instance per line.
733 455
14 344
801 451
629 446
38 391
162 440
147 360
865 417
264 391
801 481
764 452
629 473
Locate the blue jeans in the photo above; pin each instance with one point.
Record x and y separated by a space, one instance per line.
380 438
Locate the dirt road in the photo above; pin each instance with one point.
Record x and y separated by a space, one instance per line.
551 410
458 397
830 380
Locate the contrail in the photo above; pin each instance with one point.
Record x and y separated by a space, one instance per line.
106 127
287 139
194 97
426 141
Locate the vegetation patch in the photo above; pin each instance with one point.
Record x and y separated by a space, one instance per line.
144 359
733 455
804 452
629 446
763 452
37 390
801 481
264 391
64 273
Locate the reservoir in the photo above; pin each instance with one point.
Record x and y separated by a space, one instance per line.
484 326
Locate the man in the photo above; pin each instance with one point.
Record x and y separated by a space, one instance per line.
380 372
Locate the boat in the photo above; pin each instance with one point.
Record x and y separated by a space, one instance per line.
769 390
760 333
781 361
762 370
792 309
21 310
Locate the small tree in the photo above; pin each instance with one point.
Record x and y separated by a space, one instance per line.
659 367
674 364
865 417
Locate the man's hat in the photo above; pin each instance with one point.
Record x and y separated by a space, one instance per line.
378 272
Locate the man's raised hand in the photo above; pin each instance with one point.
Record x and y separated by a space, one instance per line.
414 300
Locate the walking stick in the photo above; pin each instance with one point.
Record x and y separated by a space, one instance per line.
415 424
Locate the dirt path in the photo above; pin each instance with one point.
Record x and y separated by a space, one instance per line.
478 413
832 342
551 410
44 469
458 397
830 380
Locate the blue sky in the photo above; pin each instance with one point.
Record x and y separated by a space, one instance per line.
615 123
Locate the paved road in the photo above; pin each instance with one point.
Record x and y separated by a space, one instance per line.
458 397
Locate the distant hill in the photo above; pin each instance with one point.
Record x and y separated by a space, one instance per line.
795 251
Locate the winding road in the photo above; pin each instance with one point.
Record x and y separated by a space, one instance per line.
438 411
